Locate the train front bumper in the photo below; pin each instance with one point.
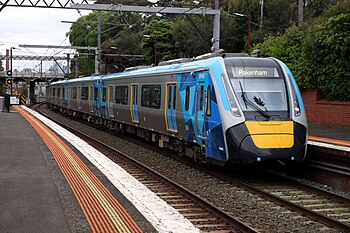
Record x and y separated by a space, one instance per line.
252 142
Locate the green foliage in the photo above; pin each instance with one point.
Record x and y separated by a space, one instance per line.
158 38
278 15
289 48
121 31
315 8
192 35
316 51
328 52
318 54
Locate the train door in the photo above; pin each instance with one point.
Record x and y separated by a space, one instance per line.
65 95
200 105
133 105
91 97
110 101
61 96
78 98
69 97
96 106
102 101
170 107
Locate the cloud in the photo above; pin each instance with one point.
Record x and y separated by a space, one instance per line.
23 25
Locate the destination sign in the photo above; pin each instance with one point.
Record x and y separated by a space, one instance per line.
255 72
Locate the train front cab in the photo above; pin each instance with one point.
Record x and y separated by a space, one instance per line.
275 123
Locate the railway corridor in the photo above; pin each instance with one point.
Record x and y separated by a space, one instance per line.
102 210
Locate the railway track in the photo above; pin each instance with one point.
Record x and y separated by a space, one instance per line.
319 205
201 213
312 205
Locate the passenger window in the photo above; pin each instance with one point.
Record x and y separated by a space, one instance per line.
104 94
174 104
208 112
110 93
135 90
74 93
169 96
121 95
84 93
95 93
63 92
151 96
201 98
187 100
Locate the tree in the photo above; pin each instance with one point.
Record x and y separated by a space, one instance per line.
328 52
158 40
290 49
118 30
317 52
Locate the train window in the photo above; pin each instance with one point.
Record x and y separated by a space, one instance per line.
110 93
62 93
187 100
95 93
84 93
135 94
104 94
169 96
201 98
74 93
151 97
174 104
121 95
208 112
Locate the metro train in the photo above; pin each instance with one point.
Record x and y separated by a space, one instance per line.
219 110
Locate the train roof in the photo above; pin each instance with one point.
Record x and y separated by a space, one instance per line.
173 68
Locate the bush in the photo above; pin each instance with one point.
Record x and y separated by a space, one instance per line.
328 52
290 49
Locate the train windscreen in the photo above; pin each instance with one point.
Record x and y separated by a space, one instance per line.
260 88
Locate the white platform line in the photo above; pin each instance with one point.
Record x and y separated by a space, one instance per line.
162 216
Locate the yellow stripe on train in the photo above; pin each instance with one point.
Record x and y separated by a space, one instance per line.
271 134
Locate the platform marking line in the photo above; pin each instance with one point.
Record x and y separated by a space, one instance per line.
89 191
163 217
75 177
93 189
330 141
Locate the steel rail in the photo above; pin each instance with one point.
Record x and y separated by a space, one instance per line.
290 205
196 199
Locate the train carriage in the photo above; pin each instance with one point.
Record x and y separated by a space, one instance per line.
218 110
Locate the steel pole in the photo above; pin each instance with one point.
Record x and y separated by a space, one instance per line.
248 17
300 11
216 27
261 13
11 71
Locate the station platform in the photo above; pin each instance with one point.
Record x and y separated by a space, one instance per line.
52 181
341 133
329 139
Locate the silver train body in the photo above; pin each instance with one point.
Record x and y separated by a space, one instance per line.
218 110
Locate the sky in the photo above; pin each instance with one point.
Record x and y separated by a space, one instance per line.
35 26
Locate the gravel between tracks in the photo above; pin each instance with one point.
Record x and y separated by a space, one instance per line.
261 214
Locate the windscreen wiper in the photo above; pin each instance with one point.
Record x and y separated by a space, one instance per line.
249 103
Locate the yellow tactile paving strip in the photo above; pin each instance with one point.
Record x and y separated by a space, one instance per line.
103 212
